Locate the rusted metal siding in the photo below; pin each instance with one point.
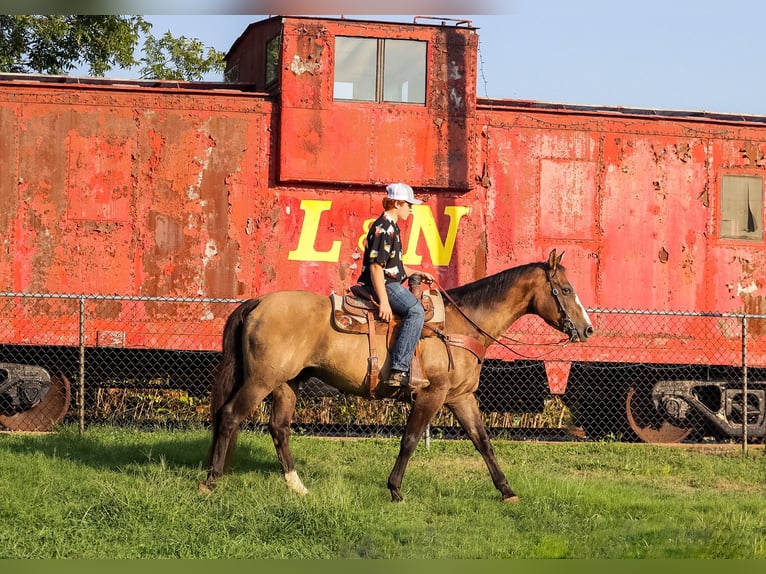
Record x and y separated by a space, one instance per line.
367 142
121 191
634 203
117 190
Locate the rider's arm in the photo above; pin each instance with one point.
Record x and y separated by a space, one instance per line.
379 284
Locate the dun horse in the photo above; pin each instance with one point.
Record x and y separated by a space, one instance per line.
272 343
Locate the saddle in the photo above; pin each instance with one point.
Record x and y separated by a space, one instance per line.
356 312
350 312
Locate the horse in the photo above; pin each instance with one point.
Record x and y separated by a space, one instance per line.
274 342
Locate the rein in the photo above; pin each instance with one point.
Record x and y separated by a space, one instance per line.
569 324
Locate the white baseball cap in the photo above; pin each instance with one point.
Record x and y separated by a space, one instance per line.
402 192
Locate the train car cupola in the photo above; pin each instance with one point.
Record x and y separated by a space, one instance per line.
367 102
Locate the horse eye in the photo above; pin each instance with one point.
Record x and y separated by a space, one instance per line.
566 290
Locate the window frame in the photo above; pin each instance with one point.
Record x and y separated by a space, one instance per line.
733 236
380 72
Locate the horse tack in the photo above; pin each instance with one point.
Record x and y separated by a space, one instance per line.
350 314
356 313
372 367
359 302
467 343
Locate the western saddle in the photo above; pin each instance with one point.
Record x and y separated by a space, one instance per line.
356 312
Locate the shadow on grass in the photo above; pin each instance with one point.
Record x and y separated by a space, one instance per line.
114 449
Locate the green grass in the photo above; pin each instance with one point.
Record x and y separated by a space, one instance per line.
116 493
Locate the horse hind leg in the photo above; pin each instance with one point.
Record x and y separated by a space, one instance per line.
283 403
226 428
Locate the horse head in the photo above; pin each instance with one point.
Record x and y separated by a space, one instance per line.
559 305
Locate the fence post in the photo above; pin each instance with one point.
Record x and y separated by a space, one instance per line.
81 390
744 385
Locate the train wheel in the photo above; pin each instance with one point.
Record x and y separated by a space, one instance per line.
46 414
648 424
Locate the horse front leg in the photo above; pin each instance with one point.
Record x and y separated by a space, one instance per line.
427 402
283 403
466 410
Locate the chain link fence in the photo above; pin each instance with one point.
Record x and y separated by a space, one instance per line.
144 361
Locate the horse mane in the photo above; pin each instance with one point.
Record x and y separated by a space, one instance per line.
492 287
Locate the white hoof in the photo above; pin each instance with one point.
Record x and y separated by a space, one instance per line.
294 483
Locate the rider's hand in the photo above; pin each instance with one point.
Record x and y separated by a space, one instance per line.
385 312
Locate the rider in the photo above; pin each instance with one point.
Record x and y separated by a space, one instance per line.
383 274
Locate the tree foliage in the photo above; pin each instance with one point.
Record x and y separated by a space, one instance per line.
49 44
180 58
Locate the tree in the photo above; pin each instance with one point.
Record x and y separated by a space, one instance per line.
50 44
180 58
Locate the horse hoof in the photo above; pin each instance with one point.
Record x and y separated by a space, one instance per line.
294 483
205 488
511 499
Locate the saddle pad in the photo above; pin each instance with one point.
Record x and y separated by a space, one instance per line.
438 301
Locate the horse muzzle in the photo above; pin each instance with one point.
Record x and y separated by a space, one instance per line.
576 336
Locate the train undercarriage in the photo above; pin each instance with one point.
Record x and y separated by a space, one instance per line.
31 399
672 409
641 403
654 404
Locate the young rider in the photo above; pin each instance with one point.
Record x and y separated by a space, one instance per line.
383 274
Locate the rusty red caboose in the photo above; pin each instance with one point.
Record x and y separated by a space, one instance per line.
269 181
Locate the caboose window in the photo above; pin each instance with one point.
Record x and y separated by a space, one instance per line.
381 70
355 69
272 59
404 71
742 207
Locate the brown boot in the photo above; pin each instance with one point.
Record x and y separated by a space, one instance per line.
402 379
398 379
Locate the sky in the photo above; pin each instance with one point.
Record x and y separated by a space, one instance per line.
699 55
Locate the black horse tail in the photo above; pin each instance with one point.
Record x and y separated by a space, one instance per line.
229 374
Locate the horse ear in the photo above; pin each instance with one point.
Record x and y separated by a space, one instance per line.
553 261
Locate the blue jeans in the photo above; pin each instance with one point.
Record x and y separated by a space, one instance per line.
405 305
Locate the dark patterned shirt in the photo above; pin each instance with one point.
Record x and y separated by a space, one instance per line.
384 246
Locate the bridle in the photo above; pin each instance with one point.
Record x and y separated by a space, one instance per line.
567 325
